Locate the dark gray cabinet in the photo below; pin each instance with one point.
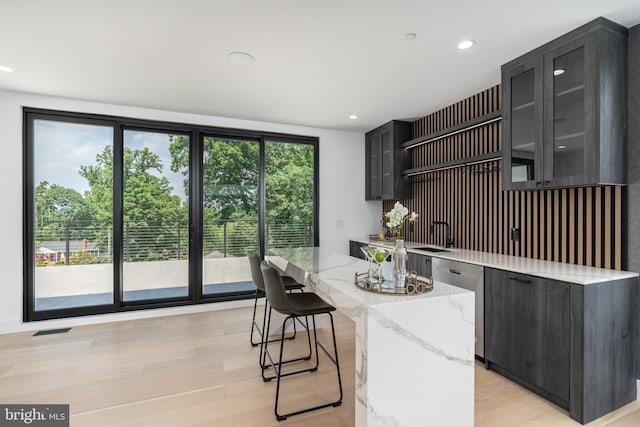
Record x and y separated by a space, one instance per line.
421 264
572 344
528 330
354 249
564 111
385 160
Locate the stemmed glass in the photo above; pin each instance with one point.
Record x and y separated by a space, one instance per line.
376 256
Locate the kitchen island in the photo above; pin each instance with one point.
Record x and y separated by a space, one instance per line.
566 332
414 354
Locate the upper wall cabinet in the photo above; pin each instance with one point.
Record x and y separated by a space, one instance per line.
565 111
385 161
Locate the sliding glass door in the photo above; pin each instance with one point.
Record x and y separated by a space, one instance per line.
155 218
71 231
289 182
231 177
124 213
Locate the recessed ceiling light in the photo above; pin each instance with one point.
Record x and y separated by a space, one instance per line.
466 44
6 69
558 72
353 116
562 147
409 37
240 59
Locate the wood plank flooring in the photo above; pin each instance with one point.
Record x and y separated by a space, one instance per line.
199 370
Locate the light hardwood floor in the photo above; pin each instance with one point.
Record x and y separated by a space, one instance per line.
199 370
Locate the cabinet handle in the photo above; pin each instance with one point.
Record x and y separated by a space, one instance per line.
452 271
538 183
517 279
547 182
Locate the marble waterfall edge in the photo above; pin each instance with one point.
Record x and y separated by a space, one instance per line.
414 356
421 367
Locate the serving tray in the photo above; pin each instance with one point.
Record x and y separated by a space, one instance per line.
415 285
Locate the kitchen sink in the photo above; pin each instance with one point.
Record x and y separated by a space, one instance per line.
431 249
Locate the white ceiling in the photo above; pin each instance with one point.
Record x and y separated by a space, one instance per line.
317 61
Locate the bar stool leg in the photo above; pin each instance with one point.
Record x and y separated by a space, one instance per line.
264 350
335 352
253 321
254 325
333 358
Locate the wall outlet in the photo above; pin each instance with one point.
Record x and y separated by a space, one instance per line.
515 234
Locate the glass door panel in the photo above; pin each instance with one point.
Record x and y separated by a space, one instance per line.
155 217
523 127
73 247
231 171
289 182
569 114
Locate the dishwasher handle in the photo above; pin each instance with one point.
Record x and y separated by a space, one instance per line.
452 271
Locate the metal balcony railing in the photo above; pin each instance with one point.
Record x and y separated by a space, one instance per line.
91 242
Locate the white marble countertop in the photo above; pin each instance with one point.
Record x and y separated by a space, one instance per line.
571 273
338 269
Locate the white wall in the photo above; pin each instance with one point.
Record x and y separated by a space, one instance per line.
343 211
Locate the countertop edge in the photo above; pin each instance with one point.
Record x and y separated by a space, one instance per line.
463 255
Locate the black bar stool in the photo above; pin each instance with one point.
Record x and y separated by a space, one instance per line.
295 306
290 285
256 274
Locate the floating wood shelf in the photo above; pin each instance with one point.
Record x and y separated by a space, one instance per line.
453 130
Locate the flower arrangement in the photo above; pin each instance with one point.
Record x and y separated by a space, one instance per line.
396 218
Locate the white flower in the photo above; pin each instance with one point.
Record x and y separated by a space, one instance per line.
397 216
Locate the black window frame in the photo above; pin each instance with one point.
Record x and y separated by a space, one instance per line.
196 132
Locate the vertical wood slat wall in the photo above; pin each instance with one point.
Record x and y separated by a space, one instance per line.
577 225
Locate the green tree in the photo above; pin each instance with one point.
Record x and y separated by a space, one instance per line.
59 207
230 175
289 188
151 213
230 182
289 182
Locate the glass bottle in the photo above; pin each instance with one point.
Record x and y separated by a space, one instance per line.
399 264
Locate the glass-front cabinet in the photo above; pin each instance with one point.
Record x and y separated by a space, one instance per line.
566 160
523 100
564 111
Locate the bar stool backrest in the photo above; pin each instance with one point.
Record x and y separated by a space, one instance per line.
256 273
276 294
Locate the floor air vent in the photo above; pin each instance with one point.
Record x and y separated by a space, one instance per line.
52 331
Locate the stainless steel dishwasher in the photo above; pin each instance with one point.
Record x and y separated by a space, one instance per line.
466 276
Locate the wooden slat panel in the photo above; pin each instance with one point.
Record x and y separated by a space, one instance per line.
607 223
578 225
572 225
617 234
598 226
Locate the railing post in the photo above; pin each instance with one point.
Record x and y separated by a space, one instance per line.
224 241
178 240
66 246
126 238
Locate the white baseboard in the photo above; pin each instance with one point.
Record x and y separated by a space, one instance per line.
637 389
8 326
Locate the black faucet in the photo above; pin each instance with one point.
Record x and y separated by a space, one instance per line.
446 224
